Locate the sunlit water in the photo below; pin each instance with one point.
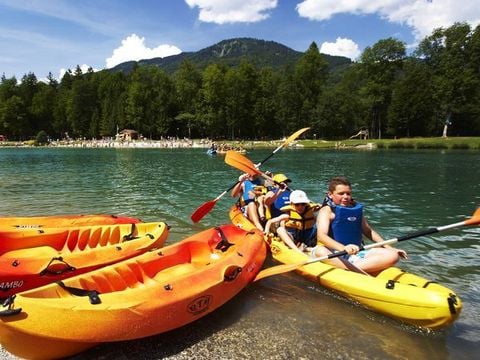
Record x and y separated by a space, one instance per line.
284 316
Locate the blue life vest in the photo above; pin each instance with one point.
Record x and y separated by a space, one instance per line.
280 202
249 189
346 227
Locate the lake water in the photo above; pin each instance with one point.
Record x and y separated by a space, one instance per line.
284 316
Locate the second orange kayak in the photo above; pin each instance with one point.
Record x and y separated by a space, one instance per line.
32 258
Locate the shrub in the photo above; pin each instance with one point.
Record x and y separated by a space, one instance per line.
41 139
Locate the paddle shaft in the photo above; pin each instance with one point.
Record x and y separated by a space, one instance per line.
205 208
280 269
391 241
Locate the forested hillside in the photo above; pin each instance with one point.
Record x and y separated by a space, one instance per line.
388 92
232 52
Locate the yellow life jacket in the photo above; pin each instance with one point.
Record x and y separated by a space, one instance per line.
260 190
298 221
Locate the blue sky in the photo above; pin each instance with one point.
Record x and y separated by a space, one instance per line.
42 36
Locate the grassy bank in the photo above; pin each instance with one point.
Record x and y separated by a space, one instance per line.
465 143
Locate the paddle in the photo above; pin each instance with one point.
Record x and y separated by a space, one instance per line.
280 269
243 164
205 208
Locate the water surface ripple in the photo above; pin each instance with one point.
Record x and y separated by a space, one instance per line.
284 316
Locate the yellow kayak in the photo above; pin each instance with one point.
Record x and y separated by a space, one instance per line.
149 294
393 292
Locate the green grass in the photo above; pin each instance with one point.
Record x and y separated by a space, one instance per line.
460 143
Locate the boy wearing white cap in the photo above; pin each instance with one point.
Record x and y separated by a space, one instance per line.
297 223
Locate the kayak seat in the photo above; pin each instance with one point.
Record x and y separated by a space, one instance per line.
176 271
200 252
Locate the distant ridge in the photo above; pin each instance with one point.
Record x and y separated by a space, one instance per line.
260 53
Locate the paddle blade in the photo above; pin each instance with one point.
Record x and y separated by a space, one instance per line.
294 136
240 162
277 270
202 210
475 219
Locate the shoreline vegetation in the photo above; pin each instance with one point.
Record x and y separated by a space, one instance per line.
462 143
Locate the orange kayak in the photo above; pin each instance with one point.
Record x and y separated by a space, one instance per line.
32 258
149 294
25 222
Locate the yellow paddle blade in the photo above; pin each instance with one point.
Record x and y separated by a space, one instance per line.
277 270
294 136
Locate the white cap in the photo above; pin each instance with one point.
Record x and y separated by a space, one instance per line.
299 197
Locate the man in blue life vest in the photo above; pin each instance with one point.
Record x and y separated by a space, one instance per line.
340 226
297 222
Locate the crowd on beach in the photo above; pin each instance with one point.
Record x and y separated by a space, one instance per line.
168 142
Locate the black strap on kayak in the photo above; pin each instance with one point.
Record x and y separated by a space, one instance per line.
223 245
49 270
452 302
131 235
93 295
9 302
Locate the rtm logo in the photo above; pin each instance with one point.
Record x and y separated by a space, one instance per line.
8 285
199 305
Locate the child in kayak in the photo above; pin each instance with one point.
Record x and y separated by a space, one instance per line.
297 222
245 191
340 226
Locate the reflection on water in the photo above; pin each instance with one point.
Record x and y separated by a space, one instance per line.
285 316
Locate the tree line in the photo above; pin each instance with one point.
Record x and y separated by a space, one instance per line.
387 92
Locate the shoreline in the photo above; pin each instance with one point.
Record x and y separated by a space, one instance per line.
453 143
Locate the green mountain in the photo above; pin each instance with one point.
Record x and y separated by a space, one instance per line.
230 52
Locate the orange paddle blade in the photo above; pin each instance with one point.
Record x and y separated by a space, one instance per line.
475 219
240 162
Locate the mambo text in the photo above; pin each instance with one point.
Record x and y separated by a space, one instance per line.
7 285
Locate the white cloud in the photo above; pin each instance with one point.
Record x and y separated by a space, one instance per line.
134 48
341 47
423 16
232 11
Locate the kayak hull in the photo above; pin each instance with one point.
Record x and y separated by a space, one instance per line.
393 292
146 295
35 257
